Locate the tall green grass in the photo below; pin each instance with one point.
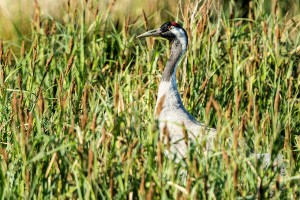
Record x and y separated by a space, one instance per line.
78 97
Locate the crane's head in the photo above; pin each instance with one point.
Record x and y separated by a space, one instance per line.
169 31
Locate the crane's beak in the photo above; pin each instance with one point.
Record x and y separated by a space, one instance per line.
155 32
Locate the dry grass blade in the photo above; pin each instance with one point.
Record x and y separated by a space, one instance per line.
90 162
84 100
41 102
94 123
145 20
185 135
1 50
49 62
29 125
276 101
54 157
166 137
70 62
150 192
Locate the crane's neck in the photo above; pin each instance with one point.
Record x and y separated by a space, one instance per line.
178 48
167 90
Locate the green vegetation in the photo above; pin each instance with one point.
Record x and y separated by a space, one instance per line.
78 95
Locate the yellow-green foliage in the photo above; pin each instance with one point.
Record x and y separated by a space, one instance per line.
78 91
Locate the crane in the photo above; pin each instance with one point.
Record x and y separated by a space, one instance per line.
177 126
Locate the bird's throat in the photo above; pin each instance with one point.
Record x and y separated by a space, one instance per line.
177 50
168 95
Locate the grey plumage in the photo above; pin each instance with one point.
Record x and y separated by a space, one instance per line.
173 118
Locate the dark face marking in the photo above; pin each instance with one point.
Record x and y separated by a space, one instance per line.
166 27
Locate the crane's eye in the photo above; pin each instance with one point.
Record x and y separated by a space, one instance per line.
170 27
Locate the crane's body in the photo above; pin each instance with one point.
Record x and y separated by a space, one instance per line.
174 119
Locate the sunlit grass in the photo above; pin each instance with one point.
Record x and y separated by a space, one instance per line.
78 97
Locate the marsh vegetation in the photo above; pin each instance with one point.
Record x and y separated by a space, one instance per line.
78 91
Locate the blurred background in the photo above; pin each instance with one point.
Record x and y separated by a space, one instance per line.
16 16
